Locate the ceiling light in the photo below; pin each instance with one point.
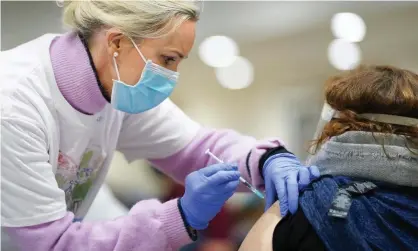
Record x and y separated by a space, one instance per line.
343 54
218 51
238 75
348 26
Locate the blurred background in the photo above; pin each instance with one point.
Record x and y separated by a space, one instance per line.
257 67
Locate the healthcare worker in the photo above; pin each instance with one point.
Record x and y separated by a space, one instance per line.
69 101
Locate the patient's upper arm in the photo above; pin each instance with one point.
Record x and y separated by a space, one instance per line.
261 234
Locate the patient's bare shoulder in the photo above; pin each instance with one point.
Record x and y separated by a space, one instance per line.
260 237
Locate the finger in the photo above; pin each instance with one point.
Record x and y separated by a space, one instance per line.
222 177
230 187
212 169
304 177
280 186
314 172
292 192
270 196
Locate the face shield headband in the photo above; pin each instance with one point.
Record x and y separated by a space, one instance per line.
328 113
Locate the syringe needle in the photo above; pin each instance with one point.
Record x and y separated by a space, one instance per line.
252 188
246 183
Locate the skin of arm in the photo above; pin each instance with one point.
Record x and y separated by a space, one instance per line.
261 234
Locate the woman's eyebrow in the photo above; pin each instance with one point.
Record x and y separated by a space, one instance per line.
181 55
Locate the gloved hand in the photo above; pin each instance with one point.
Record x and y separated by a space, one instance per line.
206 192
284 176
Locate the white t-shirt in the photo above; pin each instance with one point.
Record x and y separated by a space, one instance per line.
54 158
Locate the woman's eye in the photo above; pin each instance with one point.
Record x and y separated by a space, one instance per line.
168 60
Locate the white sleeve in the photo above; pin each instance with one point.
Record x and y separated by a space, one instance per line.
29 192
157 133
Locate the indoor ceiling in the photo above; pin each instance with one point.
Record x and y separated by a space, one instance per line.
250 21
244 21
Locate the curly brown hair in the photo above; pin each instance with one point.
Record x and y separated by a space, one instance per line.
371 89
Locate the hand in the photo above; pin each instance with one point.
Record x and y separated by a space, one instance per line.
284 176
206 192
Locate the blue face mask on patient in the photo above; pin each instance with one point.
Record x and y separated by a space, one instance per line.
155 85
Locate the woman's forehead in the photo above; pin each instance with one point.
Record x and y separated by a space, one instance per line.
182 39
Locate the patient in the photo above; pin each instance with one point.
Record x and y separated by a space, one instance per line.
367 154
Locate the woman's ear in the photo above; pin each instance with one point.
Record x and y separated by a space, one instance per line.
113 38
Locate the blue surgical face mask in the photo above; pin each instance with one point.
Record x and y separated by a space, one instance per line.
155 85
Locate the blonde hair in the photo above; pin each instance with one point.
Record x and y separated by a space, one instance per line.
135 19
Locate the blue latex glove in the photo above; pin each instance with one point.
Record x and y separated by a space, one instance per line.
284 176
206 192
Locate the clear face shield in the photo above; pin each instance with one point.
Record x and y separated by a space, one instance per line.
327 114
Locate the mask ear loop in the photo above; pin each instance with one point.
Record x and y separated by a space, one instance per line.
139 51
115 65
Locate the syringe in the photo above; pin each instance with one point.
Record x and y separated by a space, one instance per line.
246 183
